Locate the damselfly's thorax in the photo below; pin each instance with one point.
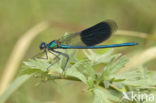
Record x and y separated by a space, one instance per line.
54 44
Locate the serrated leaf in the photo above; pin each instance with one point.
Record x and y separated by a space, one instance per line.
136 77
75 73
117 65
103 96
86 68
102 58
106 83
90 83
112 68
27 71
37 64
55 69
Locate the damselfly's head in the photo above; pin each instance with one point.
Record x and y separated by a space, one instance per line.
42 45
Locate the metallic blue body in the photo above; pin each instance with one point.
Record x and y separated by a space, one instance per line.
96 47
55 45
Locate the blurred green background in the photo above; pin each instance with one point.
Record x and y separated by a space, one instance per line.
18 16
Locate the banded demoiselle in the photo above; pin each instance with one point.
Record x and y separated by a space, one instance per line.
86 39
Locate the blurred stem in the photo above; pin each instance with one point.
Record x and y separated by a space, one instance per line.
14 86
17 54
140 59
131 33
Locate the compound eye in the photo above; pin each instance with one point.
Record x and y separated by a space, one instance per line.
42 46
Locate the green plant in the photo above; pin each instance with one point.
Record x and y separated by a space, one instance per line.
104 82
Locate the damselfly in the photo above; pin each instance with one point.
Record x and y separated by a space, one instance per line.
86 39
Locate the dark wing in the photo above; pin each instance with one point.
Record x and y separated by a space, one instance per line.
93 35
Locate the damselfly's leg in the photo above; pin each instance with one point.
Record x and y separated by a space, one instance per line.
65 55
57 56
46 54
41 54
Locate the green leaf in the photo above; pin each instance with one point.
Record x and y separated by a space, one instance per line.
55 69
102 58
137 77
117 65
43 64
85 68
75 73
106 83
112 68
37 64
103 96
72 58
90 83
